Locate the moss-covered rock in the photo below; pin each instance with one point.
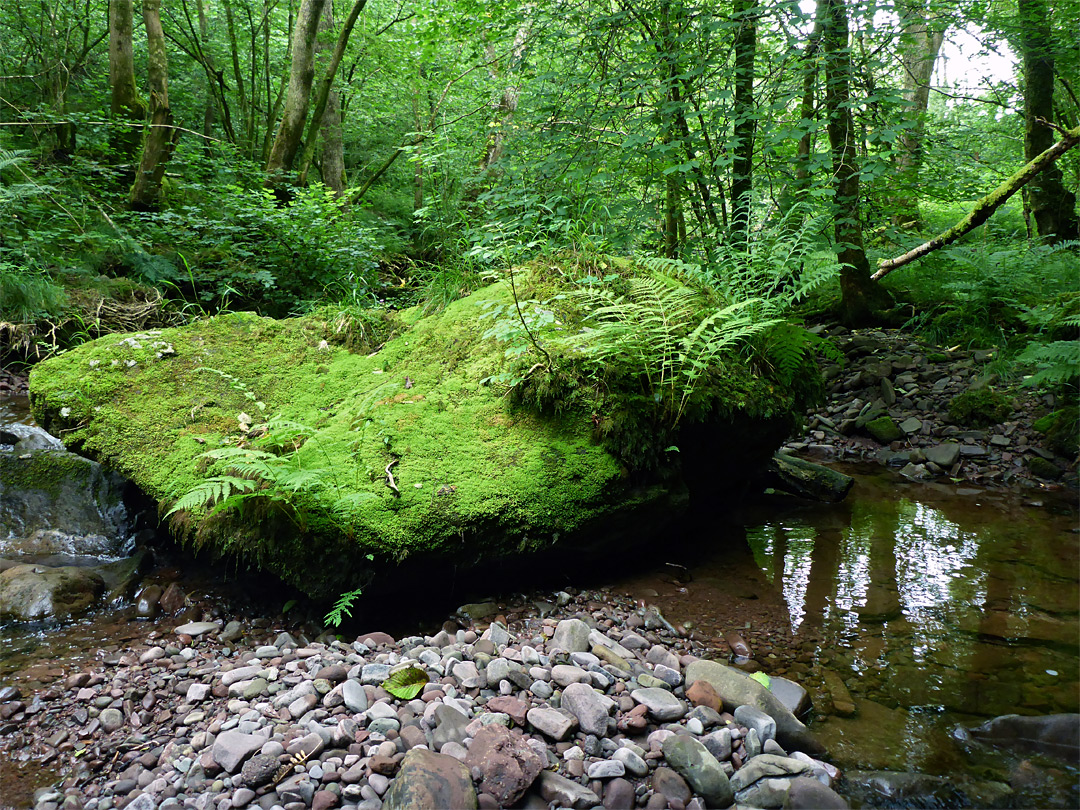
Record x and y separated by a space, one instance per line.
1062 430
884 429
980 407
473 476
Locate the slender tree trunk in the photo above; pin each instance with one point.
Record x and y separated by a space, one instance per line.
508 102
160 137
332 155
301 75
806 111
238 75
860 297
326 85
211 102
1052 205
742 167
920 43
124 103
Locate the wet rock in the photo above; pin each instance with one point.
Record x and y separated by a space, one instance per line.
589 707
805 793
700 769
738 689
38 592
884 430
559 789
1057 735
661 704
794 697
427 780
506 764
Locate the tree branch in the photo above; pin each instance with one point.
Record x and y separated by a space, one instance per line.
984 207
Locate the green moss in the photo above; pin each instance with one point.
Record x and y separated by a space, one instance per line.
980 407
1062 429
477 476
884 430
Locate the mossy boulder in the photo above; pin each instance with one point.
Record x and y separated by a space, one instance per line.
1062 429
321 431
980 407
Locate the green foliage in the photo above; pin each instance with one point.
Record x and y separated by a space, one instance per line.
762 678
27 296
1062 430
406 683
342 607
980 407
669 334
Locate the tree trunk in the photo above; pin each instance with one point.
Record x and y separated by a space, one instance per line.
860 297
325 89
920 43
301 75
125 103
807 111
987 205
332 155
508 103
742 167
1052 205
161 136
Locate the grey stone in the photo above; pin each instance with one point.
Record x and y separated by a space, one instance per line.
754 718
374 674
794 697
111 720
450 726
606 769
33 593
564 792
355 696
231 748
718 743
571 635
911 425
565 674
554 723
589 707
634 764
700 769
767 766
196 628
661 704
944 455
809 794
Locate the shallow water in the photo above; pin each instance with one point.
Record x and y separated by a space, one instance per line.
934 605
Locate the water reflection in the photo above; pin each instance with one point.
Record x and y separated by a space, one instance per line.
934 603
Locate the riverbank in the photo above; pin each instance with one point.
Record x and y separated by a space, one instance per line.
892 402
610 704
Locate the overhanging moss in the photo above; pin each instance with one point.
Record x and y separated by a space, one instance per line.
477 477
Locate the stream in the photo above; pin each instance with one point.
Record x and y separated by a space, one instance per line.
906 610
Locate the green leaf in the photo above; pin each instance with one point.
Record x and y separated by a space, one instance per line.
762 678
405 684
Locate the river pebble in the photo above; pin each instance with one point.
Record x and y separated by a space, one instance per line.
578 710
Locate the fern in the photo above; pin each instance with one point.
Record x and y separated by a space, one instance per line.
1058 362
342 607
211 491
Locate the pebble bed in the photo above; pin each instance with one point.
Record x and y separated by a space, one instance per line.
889 402
594 704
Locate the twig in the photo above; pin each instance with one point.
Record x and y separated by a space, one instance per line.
390 479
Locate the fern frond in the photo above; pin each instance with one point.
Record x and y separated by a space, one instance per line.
211 491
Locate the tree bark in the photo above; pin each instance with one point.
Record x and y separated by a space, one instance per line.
1052 205
986 206
860 298
160 137
742 167
332 155
508 102
806 110
325 89
920 43
301 75
125 103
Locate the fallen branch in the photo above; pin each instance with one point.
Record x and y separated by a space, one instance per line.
984 207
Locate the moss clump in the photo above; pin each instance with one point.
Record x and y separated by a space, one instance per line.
980 407
1062 429
475 476
884 430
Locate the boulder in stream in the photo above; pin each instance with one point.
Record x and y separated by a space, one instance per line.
34 593
736 689
1057 735
359 444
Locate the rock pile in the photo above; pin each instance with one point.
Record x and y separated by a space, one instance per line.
602 707
889 402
